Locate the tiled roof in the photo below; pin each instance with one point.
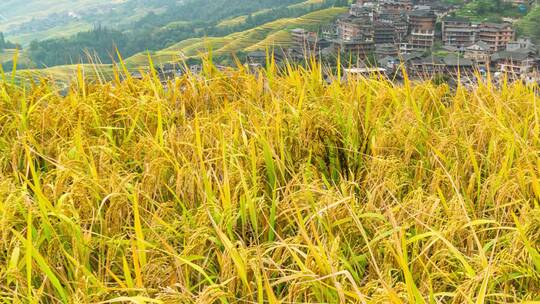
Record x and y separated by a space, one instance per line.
512 55
452 60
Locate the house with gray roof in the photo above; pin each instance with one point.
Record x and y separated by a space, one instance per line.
479 53
515 63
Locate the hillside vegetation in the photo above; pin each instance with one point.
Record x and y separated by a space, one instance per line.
176 22
235 21
489 10
530 25
276 188
272 34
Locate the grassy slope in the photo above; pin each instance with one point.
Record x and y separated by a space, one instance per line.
68 73
242 19
267 35
280 190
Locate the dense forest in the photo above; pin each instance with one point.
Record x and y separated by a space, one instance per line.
158 31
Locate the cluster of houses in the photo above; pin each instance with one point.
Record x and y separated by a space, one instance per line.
420 35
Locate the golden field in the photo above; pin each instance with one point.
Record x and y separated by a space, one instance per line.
269 188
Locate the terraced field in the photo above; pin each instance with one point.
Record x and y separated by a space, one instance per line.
8 55
68 73
272 34
306 4
241 19
279 38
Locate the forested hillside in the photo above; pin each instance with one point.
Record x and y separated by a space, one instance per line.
530 25
156 31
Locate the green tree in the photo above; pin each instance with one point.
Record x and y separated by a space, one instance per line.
2 42
341 3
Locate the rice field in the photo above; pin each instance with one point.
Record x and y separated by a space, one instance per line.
268 188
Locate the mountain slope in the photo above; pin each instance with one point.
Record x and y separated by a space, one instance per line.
16 10
272 34
45 19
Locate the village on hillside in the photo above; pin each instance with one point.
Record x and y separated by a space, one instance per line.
421 37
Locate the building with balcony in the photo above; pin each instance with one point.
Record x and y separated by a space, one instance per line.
514 63
301 36
459 32
361 48
386 50
361 11
421 39
396 5
351 28
384 32
421 20
496 35
421 29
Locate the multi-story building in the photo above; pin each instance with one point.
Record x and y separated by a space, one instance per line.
520 43
390 15
402 28
301 36
496 35
384 32
422 19
422 29
406 48
360 48
360 11
459 32
514 63
354 28
396 5
422 39
479 53
329 31
386 50
397 19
